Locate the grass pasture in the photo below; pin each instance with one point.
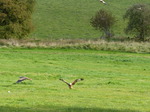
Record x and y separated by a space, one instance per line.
55 19
114 81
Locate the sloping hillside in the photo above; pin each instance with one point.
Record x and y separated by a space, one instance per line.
71 18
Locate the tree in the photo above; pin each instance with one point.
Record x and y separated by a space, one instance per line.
103 21
138 21
15 18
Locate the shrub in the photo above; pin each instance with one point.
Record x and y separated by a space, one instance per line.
15 18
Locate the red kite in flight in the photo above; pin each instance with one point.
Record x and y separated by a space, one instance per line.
73 83
103 1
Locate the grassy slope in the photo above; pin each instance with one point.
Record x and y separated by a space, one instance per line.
114 82
70 18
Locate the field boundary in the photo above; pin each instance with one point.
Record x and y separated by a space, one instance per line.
124 46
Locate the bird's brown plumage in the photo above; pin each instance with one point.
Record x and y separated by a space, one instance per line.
73 83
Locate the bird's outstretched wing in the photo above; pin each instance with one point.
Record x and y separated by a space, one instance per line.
65 82
103 1
22 79
75 81
19 81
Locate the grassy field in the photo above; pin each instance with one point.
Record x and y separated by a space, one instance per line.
114 82
71 18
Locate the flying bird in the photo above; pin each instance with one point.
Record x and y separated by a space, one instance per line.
73 83
102 1
22 79
140 8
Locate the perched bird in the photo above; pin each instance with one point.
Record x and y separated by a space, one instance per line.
102 1
73 83
22 79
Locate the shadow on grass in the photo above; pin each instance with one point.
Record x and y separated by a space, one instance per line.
23 83
13 84
59 109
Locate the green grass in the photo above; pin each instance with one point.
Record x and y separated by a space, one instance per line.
71 18
114 81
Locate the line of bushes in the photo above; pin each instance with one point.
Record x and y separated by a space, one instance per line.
125 46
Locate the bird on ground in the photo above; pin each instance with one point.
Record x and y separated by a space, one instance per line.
22 79
102 1
73 83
